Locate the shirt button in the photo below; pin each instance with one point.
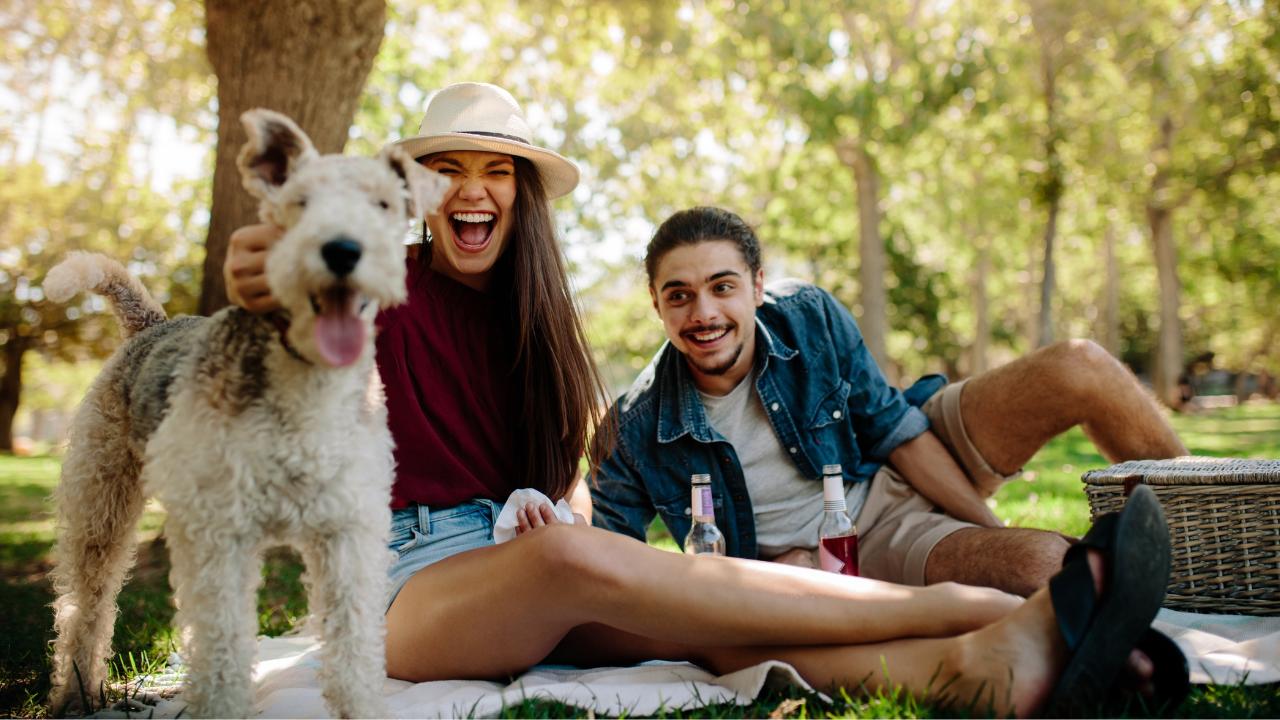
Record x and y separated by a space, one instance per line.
836 414
688 511
774 407
791 450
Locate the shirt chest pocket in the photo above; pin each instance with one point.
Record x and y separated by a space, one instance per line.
832 408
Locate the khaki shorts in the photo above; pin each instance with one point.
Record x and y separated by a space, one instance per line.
897 528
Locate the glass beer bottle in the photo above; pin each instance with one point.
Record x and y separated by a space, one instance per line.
704 537
837 535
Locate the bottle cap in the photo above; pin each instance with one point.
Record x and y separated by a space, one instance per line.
701 478
832 470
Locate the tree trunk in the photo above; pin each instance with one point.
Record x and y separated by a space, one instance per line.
981 311
1168 363
1051 193
872 261
11 388
1168 360
305 58
1049 275
1110 293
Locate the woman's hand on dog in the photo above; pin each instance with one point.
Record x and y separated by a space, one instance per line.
535 515
245 269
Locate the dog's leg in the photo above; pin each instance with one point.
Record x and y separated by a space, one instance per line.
215 578
348 572
99 501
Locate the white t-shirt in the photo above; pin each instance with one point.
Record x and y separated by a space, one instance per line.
787 505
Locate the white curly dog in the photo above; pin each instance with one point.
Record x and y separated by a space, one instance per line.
251 430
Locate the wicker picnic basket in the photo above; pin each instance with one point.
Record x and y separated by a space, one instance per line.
1224 522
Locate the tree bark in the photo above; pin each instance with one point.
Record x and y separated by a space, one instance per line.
1051 194
305 58
1168 360
1049 275
981 311
1168 363
874 321
1110 293
11 388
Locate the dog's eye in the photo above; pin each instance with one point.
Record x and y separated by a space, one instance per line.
301 202
383 204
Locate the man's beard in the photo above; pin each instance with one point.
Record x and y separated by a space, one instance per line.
722 368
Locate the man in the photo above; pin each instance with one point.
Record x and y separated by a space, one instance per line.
761 388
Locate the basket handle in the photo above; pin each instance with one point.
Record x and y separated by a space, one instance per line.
1131 482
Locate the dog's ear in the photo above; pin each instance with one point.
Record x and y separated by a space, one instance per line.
275 149
426 188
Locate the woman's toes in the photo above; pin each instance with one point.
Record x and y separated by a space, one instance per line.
1139 672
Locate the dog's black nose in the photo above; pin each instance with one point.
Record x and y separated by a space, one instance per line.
341 255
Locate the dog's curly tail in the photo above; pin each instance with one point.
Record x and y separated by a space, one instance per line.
134 307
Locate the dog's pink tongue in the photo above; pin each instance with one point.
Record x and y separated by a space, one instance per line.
473 233
339 332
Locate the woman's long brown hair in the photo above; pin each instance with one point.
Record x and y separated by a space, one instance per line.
562 393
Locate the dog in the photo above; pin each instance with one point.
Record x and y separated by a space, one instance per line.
251 430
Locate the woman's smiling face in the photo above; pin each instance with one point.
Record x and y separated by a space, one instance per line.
472 226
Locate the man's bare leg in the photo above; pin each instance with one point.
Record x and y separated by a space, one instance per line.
1015 560
1013 411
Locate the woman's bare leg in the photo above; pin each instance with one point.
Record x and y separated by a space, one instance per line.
497 610
1007 667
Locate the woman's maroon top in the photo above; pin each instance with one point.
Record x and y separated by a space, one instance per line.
445 359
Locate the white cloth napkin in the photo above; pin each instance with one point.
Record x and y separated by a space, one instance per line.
505 527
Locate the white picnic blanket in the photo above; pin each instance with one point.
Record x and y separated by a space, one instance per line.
288 687
1221 649
1226 649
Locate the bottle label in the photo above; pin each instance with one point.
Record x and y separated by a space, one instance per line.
839 554
702 506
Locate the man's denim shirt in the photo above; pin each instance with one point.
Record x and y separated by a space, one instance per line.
825 396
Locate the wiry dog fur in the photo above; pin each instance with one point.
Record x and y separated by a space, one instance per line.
247 440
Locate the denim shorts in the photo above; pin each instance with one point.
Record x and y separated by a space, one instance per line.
421 536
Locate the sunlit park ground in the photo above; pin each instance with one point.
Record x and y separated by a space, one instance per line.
1049 495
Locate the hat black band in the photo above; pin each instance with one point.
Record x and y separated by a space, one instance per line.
513 138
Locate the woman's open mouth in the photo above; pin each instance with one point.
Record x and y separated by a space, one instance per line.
472 230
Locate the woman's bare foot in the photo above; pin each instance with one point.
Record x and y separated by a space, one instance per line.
1010 667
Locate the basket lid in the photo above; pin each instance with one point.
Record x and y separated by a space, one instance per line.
1189 470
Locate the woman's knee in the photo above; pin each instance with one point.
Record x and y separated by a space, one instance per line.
577 557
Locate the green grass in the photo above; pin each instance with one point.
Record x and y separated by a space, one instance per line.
1048 495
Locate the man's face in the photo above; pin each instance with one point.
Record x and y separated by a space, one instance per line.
707 299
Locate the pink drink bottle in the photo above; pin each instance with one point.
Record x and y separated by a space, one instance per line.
837 535
704 537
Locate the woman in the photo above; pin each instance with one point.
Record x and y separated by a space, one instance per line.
490 388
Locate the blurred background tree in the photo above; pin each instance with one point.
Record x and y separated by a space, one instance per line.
971 179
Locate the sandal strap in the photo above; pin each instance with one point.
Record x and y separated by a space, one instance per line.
1074 602
1072 589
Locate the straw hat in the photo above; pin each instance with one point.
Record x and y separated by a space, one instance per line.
480 116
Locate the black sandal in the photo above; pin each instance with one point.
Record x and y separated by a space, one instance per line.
1099 632
1170 678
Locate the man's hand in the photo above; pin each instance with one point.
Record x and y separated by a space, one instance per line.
245 269
800 557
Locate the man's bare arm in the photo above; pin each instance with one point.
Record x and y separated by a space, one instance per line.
930 469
